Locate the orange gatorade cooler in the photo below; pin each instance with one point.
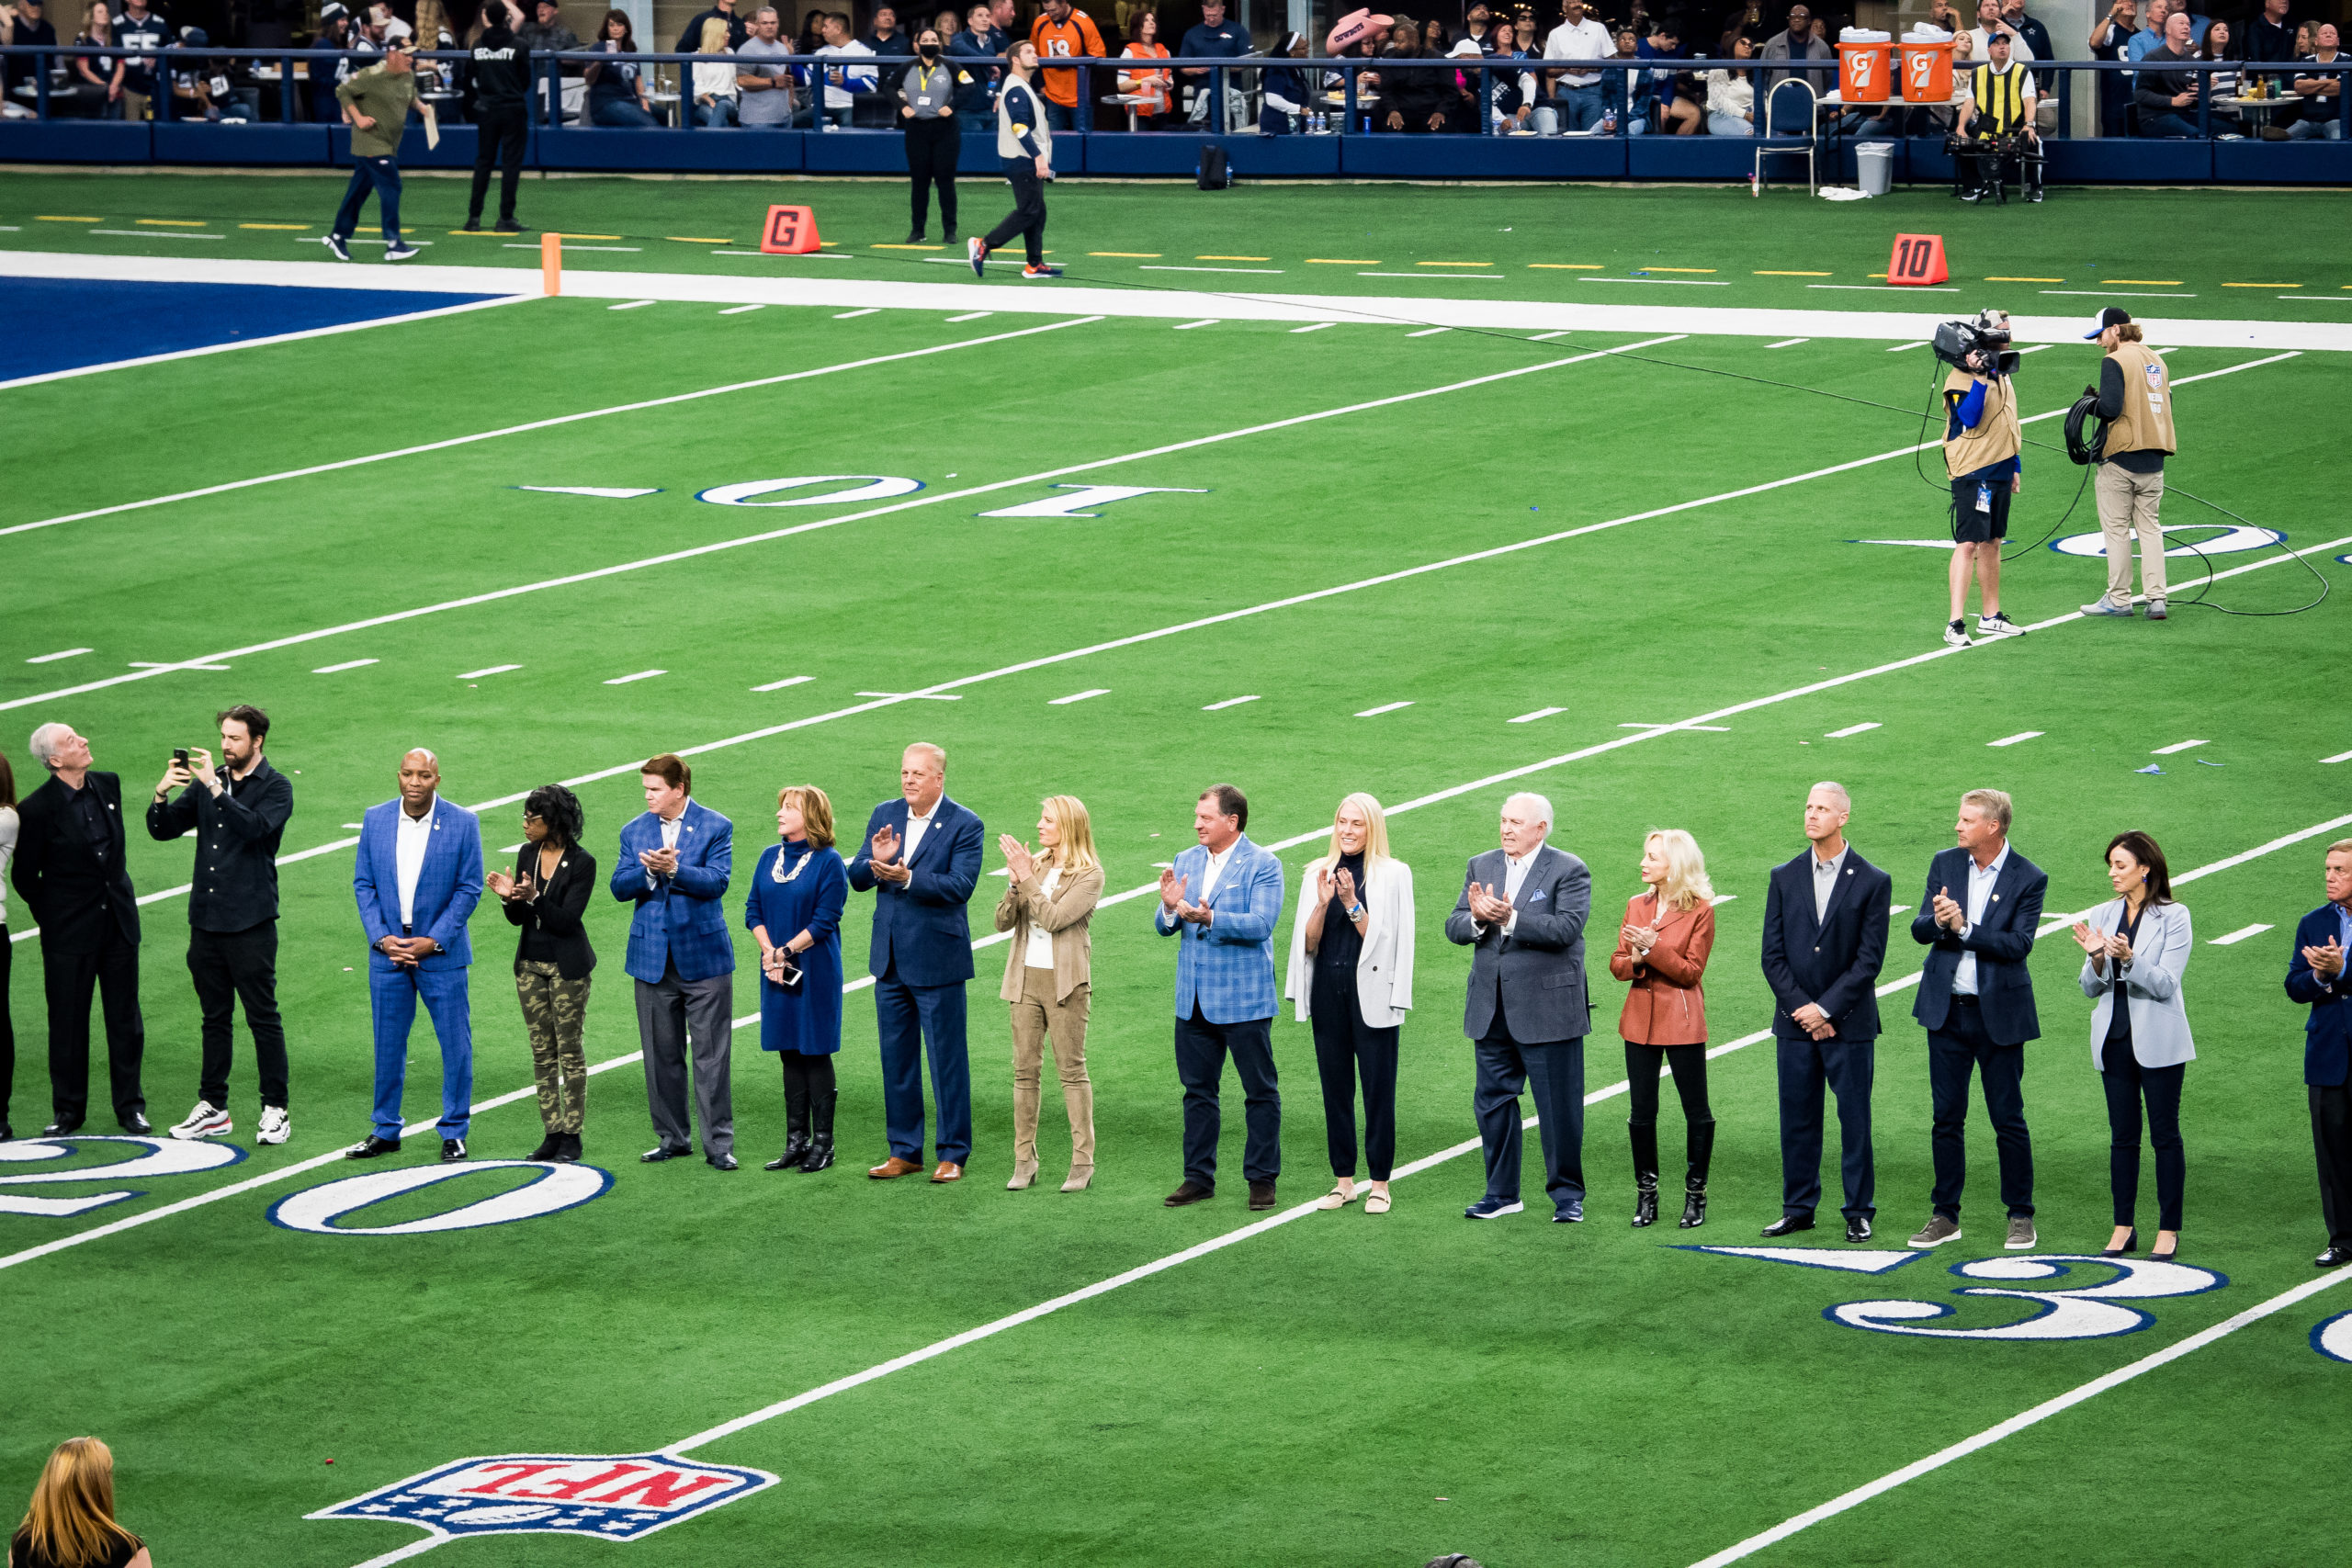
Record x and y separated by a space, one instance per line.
1927 72
1863 69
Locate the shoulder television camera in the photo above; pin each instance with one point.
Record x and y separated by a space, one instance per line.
1981 347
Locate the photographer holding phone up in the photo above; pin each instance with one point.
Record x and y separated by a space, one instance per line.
799 888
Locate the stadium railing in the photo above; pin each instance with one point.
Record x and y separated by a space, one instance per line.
50 131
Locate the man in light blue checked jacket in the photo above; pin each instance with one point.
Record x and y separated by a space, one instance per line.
1222 898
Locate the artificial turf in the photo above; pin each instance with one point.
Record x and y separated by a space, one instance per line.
1340 1391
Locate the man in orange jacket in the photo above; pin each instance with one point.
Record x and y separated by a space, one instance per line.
1062 33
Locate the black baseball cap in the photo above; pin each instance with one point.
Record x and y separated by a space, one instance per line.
2110 317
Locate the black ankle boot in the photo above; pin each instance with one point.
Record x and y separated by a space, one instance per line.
1643 1136
1701 1147
569 1153
1694 1202
550 1147
1644 1199
795 1149
796 1121
821 1142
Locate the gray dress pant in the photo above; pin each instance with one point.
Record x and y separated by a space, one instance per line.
670 1013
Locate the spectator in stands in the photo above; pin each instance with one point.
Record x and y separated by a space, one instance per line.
1415 98
2322 92
812 32
975 49
765 90
23 26
1213 38
2269 37
1063 32
2036 39
1963 53
1786 114
1435 40
1478 27
715 92
946 24
1731 96
1678 92
1512 89
888 42
545 34
101 73
616 86
2108 35
139 31
2221 86
2150 38
1633 90
2168 98
71 1522
1151 87
1990 22
2305 39
1285 89
1577 96
934 142
690 37
843 83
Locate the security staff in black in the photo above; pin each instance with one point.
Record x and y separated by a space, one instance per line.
1983 443
1998 115
238 812
2135 400
501 117
1026 146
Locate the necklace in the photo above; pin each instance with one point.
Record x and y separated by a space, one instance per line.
776 868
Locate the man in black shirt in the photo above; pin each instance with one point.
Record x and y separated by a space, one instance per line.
501 121
2168 98
23 25
69 869
690 41
238 813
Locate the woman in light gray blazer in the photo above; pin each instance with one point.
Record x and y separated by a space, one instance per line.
2135 948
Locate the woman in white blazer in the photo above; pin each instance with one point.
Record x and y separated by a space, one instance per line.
2135 948
1352 976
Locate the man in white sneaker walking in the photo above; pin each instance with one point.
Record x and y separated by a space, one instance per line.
374 105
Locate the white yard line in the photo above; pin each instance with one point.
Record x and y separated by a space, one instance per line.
1531 718
2013 740
2177 747
1385 708
1229 702
1078 696
1853 730
2238 936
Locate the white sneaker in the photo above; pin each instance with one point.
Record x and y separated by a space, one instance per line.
207 1121
275 1125
401 252
1956 635
1997 625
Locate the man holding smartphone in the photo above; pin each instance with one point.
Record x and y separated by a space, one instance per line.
238 811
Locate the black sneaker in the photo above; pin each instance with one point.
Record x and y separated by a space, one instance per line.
471 226
452 1150
508 226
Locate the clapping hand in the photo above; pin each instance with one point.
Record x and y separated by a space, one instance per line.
2118 947
1641 938
1323 886
1484 908
498 882
2093 942
1172 891
660 863
1347 888
884 857
2326 962
1949 915
1017 858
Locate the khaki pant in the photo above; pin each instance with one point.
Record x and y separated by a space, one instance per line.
554 1012
135 104
1036 1018
2127 504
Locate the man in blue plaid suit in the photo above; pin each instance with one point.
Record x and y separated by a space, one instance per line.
1222 897
675 864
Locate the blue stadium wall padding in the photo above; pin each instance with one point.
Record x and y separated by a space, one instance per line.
1690 157
456 152
195 142
1177 153
884 152
1405 156
76 141
2284 164
2138 160
684 151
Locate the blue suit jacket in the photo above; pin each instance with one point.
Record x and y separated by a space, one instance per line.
1834 962
1228 967
447 887
681 919
2327 1033
2002 942
920 928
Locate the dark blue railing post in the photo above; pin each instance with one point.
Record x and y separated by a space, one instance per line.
162 94
286 90
43 64
1624 105
2205 104
1348 92
1217 100
1085 105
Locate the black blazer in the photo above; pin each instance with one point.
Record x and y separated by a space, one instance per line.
1834 964
551 923
2002 943
74 888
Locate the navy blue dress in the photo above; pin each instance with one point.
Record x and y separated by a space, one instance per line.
814 889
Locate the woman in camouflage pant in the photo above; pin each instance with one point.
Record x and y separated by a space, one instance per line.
546 897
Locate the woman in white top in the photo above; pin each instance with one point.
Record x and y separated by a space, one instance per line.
1048 979
7 858
717 96
1352 976
1731 95
2135 948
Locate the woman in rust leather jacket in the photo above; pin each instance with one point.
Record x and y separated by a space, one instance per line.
1662 949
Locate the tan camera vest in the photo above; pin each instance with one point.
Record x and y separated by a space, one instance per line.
2145 424
1996 434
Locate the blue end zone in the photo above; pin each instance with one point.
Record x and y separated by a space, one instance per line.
51 325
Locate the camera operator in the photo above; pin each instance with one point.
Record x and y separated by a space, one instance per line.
1983 444
1998 118
2135 400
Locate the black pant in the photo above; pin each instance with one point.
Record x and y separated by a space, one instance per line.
68 979
1027 217
1201 1049
933 147
504 130
806 1075
1959 1046
1552 1074
2332 1140
230 968
1846 1068
7 1029
1690 1066
1346 1048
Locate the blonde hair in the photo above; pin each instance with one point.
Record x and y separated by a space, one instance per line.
816 812
713 37
1992 803
2128 331
2341 847
71 1521
1076 852
1375 833
1686 886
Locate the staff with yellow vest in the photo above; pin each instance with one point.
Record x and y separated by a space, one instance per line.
2000 105
1983 444
2135 400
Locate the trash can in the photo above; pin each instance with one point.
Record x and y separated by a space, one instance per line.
1875 166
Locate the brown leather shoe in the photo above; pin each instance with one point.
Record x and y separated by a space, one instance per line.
894 1168
948 1171
1189 1192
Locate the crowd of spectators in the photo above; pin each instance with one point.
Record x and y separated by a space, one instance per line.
2283 79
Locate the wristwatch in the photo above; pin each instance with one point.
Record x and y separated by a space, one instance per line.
1356 913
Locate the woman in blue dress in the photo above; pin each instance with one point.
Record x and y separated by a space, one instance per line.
795 909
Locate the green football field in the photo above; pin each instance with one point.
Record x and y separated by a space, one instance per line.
1436 566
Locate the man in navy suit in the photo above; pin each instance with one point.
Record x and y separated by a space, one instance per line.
417 879
2315 977
675 864
922 859
1824 942
1981 904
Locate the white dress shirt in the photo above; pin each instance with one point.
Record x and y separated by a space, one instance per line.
1824 882
1980 892
1041 941
416 835
1515 869
917 826
1215 869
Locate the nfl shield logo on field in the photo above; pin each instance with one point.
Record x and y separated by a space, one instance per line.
615 1497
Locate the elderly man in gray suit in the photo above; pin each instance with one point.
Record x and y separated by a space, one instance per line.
1522 912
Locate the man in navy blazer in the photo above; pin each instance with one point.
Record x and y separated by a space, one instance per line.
2315 977
675 864
1824 942
922 859
417 879
1522 914
1981 904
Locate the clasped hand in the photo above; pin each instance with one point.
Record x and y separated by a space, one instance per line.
883 858
1172 899
2326 962
405 951
1640 938
660 863
1484 908
1814 1021
1949 915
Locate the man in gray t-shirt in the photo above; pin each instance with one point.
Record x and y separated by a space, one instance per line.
766 89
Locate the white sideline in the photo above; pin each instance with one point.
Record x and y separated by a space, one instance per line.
404 319
543 424
928 497
839 292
